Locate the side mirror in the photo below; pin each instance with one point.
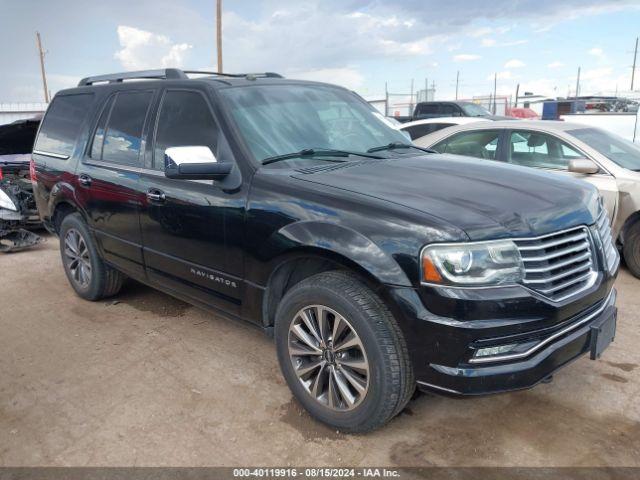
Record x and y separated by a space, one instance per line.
583 165
194 163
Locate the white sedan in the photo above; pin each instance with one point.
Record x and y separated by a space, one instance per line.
420 128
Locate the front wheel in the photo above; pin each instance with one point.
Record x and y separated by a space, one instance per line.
342 352
631 249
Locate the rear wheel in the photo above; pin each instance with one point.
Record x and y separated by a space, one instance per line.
631 249
342 353
89 276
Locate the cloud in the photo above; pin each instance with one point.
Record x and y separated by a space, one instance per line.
596 52
141 49
466 57
514 64
488 42
555 64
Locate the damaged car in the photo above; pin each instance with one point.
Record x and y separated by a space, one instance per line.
18 211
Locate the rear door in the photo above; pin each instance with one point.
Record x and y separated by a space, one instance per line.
548 152
186 223
109 177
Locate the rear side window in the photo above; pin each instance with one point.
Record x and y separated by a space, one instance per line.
62 124
120 141
184 120
428 109
480 144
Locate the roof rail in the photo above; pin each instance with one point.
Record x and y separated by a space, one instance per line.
164 74
167 74
236 75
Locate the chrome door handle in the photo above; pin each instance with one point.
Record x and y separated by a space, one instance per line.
156 196
84 180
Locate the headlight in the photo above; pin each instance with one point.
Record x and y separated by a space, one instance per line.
6 202
472 264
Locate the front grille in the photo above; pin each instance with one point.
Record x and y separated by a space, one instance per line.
558 265
609 250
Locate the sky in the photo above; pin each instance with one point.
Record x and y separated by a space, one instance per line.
360 44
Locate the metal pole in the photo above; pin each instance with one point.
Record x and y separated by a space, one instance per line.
411 100
219 33
457 82
386 100
44 75
495 89
633 69
578 84
517 91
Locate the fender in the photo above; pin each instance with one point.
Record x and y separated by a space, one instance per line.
339 240
63 192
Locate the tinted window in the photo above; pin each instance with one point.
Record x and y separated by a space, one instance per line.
448 110
615 148
98 138
540 150
124 129
62 123
428 108
417 131
480 144
184 120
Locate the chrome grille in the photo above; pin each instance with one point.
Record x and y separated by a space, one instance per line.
609 250
558 265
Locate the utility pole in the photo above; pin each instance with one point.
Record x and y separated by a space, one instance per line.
633 69
411 99
219 33
517 91
386 99
578 84
495 89
457 82
44 75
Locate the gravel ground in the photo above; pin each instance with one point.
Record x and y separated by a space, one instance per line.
144 379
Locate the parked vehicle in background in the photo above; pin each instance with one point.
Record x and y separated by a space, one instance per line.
18 213
294 206
526 113
452 109
603 159
420 128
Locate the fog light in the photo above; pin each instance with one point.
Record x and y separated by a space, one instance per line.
491 351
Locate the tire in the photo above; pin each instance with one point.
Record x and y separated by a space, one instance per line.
631 249
376 369
87 273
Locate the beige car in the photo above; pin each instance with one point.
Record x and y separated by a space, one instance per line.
609 162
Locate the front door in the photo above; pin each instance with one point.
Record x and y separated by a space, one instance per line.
548 152
185 223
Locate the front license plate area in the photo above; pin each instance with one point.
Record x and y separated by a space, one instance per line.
602 333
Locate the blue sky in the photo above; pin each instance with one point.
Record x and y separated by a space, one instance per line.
356 43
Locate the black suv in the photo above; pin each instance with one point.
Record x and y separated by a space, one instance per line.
376 265
453 109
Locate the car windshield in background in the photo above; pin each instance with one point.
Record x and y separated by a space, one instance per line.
281 119
615 148
473 110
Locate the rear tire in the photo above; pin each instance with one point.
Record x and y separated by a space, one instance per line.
87 273
631 249
354 388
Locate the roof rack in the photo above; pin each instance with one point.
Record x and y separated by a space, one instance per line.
167 74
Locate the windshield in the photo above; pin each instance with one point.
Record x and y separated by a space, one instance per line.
281 119
474 110
615 148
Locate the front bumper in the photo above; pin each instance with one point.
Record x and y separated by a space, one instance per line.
444 350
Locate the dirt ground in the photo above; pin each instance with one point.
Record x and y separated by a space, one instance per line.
144 379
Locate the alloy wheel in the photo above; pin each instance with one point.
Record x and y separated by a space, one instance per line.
77 258
328 357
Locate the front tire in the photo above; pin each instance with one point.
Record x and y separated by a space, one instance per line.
87 273
631 249
342 352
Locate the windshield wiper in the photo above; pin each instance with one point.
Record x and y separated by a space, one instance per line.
314 153
396 145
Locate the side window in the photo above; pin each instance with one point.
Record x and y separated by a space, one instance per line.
62 124
98 138
123 134
448 110
540 150
184 120
480 144
429 109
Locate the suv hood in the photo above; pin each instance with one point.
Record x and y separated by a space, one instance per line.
484 198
